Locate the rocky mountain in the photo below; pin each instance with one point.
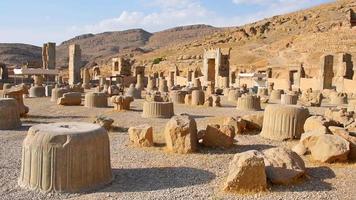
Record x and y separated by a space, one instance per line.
95 47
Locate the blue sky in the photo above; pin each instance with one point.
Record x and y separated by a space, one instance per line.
39 21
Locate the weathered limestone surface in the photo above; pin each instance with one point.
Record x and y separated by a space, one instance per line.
133 92
103 121
289 99
58 93
349 136
9 114
249 103
96 100
70 99
340 115
240 125
17 93
318 123
282 122
283 166
37 91
163 85
48 90
177 96
254 122
246 173
75 62
65 157
141 136
198 98
86 78
218 136
338 98
275 95
234 95
153 109
181 134
121 102
310 98
330 148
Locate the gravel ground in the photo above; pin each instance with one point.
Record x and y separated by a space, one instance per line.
151 173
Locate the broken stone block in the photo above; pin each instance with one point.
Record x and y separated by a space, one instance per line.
65 157
218 136
246 173
121 102
283 166
283 122
181 134
104 122
96 100
249 103
70 99
238 123
9 114
349 136
141 136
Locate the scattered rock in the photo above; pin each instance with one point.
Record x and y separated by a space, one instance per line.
283 166
216 136
254 122
104 122
246 173
349 136
181 134
141 136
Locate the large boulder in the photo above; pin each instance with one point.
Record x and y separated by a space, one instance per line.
181 134
349 136
218 136
330 148
283 166
318 123
246 173
141 136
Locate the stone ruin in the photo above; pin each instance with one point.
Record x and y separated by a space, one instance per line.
75 63
141 136
86 153
249 103
157 105
216 67
70 99
96 100
17 92
9 114
122 102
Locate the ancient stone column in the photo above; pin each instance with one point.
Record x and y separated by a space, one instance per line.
96 100
190 76
139 83
262 92
249 103
151 84
197 84
234 95
210 89
198 98
133 92
282 122
9 114
48 90
275 95
58 93
270 87
86 79
38 80
225 82
37 91
181 134
171 81
65 157
163 87
153 109
75 62
49 55
289 99
17 93
177 96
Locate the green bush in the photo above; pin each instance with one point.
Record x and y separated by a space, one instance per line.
157 60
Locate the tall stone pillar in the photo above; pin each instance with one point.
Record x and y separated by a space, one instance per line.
327 72
86 78
49 55
75 61
190 76
171 80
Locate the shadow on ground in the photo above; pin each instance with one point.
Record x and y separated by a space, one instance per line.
54 117
315 181
151 179
234 149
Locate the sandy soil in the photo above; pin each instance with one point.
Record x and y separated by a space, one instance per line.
151 173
